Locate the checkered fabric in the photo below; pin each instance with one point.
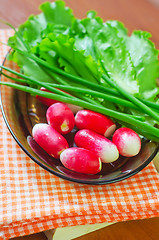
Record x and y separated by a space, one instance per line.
33 200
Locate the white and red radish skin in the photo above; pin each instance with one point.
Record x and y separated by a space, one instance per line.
101 146
48 102
49 139
127 141
81 160
60 117
87 119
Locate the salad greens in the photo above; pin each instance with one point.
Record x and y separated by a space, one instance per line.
103 68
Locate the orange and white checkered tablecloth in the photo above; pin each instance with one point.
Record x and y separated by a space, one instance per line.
34 200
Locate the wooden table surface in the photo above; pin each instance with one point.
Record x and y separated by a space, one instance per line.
135 14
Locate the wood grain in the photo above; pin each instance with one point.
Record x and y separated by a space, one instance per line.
131 230
135 14
146 229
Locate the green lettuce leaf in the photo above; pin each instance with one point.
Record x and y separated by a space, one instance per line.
145 60
144 56
32 30
31 33
63 45
111 49
119 26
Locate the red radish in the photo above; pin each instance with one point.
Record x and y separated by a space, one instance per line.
49 139
127 142
86 119
48 102
60 117
81 160
101 146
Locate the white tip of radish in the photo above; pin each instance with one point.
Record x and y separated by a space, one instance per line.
109 153
131 148
127 142
38 127
110 131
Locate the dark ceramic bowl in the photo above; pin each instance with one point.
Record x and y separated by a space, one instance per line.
22 111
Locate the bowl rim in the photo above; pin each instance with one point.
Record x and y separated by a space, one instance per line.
58 174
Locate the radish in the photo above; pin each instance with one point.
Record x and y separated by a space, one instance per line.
60 117
87 119
103 147
81 160
49 139
127 141
48 102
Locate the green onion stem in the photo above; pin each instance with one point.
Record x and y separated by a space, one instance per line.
136 101
55 86
31 80
15 79
84 82
153 105
113 91
58 79
84 91
107 97
117 115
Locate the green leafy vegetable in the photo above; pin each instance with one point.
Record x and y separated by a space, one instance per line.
145 60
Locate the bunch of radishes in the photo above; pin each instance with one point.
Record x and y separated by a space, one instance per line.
93 145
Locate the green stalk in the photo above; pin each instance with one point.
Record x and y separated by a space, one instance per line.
118 100
60 92
31 80
84 82
117 115
58 79
113 91
105 96
153 105
136 101
15 79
